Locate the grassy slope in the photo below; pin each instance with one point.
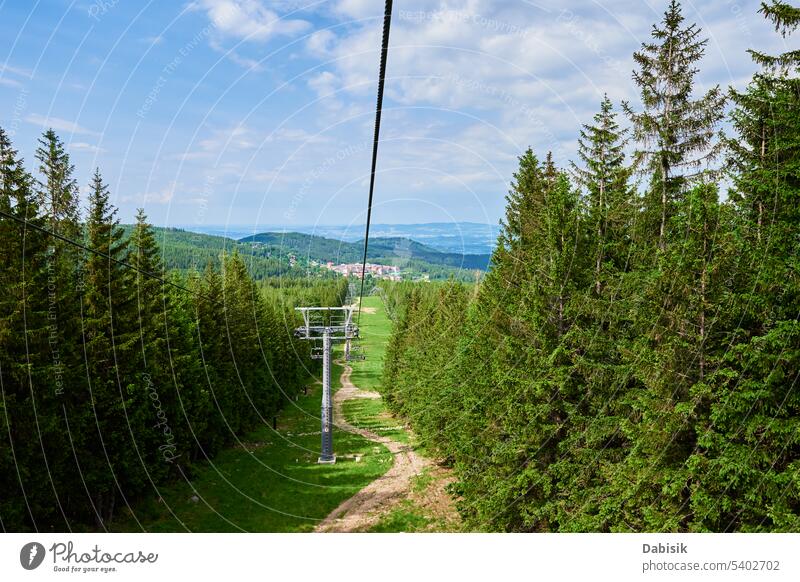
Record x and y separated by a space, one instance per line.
273 486
273 483
375 329
411 514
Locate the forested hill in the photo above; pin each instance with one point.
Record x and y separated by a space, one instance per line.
267 254
394 251
183 250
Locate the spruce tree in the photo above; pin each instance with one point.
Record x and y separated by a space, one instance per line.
522 319
592 444
680 336
675 133
765 154
31 366
498 330
156 355
58 189
604 175
786 19
57 195
218 370
112 417
750 443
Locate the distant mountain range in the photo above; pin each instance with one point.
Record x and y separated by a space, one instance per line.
268 253
399 251
450 237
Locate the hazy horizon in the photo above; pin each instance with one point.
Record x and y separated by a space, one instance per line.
466 237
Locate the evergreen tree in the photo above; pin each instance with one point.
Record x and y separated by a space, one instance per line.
166 441
786 18
57 195
749 444
31 368
219 373
675 132
678 336
242 341
592 445
58 190
605 177
111 413
493 358
765 156
523 321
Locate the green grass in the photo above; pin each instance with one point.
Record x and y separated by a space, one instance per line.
417 513
404 518
408 517
272 484
375 329
371 414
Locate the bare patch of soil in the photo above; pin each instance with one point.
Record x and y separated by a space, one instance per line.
366 507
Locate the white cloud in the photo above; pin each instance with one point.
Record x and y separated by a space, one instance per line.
249 20
153 40
18 71
470 85
324 83
237 137
234 56
285 134
10 82
58 124
321 42
7 71
524 73
359 8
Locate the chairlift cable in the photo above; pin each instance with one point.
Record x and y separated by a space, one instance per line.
387 22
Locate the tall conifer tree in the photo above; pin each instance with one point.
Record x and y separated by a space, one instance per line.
675 132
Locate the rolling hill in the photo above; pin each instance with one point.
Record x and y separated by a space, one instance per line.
267 254
388 250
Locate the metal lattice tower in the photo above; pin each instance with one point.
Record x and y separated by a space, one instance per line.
327 325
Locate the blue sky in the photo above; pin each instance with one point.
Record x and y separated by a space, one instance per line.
247 112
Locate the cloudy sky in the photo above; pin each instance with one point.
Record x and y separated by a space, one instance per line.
244 112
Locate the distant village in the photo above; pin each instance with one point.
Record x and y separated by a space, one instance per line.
388 272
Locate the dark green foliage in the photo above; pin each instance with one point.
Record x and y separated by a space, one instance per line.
631 361
298 256
610 200
389 251
111 381
750 442
185 251
786 19
30 440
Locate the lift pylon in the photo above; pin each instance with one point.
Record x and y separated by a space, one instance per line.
329 324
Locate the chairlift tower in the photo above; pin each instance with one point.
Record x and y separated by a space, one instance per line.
327 325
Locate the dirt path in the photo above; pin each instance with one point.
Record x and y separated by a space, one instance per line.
366 507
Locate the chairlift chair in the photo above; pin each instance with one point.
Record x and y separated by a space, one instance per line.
356 353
